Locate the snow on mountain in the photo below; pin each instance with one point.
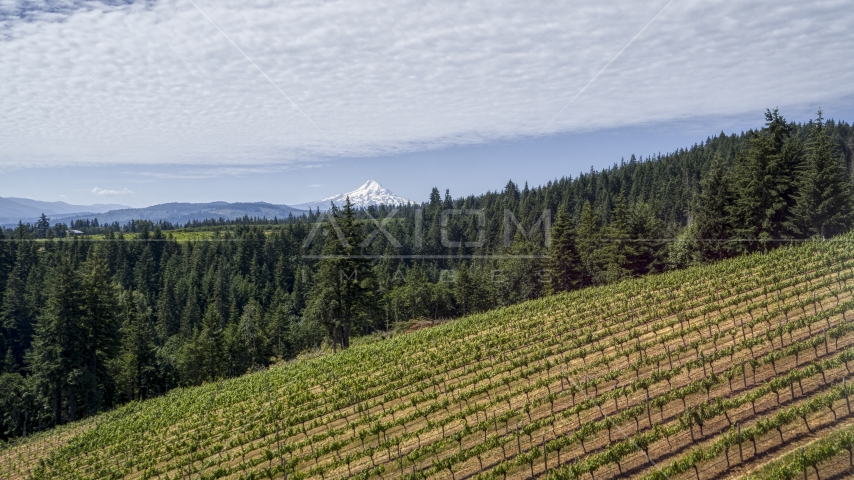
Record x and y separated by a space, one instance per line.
371 193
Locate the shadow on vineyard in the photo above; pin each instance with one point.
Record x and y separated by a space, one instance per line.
742 367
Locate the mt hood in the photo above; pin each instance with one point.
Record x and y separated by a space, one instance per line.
371 193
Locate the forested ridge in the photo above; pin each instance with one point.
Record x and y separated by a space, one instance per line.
704 372
88 324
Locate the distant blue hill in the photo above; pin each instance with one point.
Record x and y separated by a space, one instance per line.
27 210
180 213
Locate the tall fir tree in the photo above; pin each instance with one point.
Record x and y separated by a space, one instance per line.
191 314
58 350
589 243
101 326
645 233
341 293
16 405
16 319
210 344
521 275
168 311
279 322
824 201
617 247
765 185
10 365
5 259
565 262
42 227
136 372
713 216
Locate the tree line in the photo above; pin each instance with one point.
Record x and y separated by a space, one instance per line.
87 325
43 228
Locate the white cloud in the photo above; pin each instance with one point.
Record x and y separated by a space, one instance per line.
155 82
110 193
198 172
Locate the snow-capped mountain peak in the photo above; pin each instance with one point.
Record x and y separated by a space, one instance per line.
371 193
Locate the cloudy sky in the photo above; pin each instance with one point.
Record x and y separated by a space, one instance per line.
288 101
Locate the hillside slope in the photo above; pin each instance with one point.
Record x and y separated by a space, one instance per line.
709 372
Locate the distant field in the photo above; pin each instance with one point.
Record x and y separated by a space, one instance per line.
178 235
734 369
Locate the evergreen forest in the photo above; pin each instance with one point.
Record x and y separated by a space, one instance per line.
129 312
